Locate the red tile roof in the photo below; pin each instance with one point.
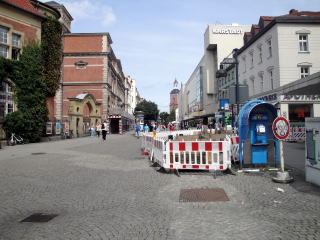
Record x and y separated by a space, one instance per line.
24 5
267 18
294 13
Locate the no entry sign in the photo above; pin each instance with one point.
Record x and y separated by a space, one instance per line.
281 128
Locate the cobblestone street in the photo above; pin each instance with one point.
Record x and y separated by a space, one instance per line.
107 190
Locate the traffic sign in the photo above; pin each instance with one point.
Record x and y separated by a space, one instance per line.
281 128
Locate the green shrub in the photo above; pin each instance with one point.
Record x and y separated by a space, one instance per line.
30 119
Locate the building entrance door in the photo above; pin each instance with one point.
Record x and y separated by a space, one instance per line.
114 125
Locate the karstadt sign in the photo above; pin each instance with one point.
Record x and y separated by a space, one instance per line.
227 31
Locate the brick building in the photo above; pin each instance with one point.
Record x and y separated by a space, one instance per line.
20 24
90 67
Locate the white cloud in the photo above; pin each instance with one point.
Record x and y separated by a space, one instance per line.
93 10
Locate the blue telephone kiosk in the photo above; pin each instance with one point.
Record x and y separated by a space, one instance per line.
259 138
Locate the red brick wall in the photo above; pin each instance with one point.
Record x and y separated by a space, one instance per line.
77 44
30 33
90 74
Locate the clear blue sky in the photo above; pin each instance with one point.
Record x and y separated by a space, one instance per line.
160 40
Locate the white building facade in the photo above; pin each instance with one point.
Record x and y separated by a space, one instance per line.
278 51
198 96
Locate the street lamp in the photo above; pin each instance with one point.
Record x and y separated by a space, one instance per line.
235 57
235 62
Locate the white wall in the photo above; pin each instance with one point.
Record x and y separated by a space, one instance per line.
289 54
284 60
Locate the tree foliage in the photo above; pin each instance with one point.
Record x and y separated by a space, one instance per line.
164 117
29 120
6 68
150 110
51 50
172 116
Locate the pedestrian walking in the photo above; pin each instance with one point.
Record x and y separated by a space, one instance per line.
146 128
138 128
92 131
98 129
104 130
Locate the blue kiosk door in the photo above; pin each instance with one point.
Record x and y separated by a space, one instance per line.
259 138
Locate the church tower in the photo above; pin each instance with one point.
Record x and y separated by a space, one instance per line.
174 96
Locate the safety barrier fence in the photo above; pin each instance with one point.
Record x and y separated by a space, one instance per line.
297 134
234 146
196 155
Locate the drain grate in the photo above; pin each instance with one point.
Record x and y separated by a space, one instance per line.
203 195
38 153
39 217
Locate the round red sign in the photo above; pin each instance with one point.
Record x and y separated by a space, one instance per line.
281 128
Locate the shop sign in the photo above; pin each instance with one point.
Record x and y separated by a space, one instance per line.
227 31
297 98
269 98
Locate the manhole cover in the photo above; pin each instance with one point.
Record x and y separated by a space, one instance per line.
39 217
38 153
203 195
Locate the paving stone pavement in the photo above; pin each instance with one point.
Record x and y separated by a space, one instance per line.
107 190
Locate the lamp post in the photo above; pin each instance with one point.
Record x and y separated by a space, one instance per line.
235 57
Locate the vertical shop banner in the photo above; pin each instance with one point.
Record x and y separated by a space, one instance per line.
49 128
58 128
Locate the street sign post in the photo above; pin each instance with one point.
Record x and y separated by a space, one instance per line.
281 130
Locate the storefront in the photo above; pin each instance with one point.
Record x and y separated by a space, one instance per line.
117 124
295 107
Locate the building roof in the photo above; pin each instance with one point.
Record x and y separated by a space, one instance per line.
175 91
24 5
294 17
53 4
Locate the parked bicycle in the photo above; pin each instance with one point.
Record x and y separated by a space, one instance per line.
15 139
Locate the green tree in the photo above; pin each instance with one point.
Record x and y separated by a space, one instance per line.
6 68
29 120
150 110
164 117
172 116
51 51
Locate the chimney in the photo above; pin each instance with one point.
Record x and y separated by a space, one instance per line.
293 12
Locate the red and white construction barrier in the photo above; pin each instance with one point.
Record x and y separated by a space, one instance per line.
297 134
234 140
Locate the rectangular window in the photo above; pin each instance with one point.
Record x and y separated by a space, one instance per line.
261 83
271 79
269 44
16 40
251 59
4 51
10 107
2 109
252 84
4 34
244 64
304 72
260 54
15 53
303 43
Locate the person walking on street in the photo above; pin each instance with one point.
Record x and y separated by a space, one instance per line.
92 131
104 130
138 128
146 128
98 129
